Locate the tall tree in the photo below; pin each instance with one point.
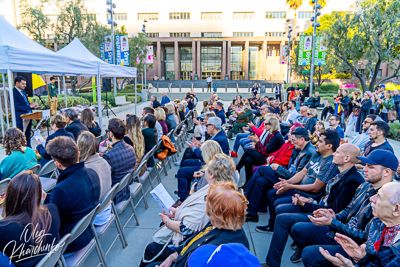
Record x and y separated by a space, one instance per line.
34 21
137 48
365 39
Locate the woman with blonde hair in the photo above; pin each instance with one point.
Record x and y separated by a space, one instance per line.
226 209
181 111
191 215
87 119
160 117
319 129
170 116
312 115
134 137
259 155
19 156
88 148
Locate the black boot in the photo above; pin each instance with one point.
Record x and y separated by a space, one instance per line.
296 257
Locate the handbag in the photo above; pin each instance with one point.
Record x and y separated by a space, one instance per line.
356 111
162 236
392 115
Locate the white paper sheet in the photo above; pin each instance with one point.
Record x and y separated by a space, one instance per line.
163 198
39 137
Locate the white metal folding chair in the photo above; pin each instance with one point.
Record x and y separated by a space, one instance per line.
35 168
48 183
51 258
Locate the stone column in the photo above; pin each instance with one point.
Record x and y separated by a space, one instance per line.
193 59
246 60
223 60
228 60
177 61
264 60
198 59
159 56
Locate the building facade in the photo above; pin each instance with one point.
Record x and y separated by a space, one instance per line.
193 39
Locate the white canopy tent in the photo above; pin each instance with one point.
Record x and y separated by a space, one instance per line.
18 53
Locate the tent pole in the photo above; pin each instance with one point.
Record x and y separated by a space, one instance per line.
99 109
2 112
58 82
11 92
135 95
115 87
5 101
65 92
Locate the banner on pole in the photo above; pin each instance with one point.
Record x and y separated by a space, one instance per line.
108 53
122 50
102 54
284 54
94 89
149 55
305 50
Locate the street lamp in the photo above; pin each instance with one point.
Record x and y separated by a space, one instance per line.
112 23
315 24
288 51
145 59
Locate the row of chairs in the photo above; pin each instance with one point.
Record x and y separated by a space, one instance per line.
135 183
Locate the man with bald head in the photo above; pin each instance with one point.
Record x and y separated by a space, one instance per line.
352 221
383 244
339 191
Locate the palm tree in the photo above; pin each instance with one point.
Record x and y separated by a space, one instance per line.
294 5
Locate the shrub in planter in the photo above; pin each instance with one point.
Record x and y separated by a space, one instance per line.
130 88
394 132
71 101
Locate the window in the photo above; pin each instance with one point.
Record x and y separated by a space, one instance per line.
275 34
52 18
179 34
147 16
91 17
178 16
152 34
118 16
275 15
211 15
300 33
273 53
306 15
211 34
169 63
243 15
243 34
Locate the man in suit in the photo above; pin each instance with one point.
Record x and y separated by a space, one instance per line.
121 157
22 106
219 111
278 90
75 126
155 104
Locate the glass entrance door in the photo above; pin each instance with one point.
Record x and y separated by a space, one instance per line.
215 75
211 62
185 75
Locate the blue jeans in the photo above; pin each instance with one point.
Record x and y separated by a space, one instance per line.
307 234
384 117
275 200
313 258
185 176
261 182
283 225
239 137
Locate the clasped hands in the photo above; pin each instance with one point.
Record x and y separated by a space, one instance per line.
194 143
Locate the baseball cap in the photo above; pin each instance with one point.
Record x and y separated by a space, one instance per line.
382 85
381 157
225 255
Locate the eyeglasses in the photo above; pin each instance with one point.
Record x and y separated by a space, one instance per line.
267 123
309 114
366 122
209 125
205 198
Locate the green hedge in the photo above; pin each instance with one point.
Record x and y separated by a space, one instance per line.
71 101
394 132
131 89
110 97
325 87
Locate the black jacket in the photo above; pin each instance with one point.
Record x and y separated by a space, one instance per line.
345 101
310 124
358 208
341 193
315 102
76 127
214 237
95 130
302 159
77 193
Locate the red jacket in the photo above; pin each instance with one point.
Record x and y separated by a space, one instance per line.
282 156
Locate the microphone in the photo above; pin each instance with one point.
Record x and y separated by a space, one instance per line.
41 100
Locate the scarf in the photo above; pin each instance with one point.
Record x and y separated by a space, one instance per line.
192 213
264 136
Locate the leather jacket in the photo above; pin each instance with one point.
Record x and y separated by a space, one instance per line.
360 206
302 159
387 256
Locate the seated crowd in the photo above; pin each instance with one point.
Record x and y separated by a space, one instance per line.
339 200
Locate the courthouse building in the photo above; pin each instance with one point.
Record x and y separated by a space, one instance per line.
235 40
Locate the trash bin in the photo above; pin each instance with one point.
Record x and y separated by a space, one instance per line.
215 87
196 77
226 77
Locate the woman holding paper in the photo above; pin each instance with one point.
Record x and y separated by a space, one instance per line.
19 158
57 123
191 216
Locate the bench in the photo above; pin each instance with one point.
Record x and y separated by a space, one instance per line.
121 100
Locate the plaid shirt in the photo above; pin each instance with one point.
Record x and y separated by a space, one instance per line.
122 160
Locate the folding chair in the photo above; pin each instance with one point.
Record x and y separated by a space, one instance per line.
136 185
51 258
99 231
121 206
78 258
35 168
48 183
154 168
99 139
146 175
3 188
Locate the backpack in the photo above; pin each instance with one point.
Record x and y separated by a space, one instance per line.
167 148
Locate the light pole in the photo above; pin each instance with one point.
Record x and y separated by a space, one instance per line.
113 23
288 52
145 59
315 25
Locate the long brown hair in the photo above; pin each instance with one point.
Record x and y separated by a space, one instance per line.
134 130
87 118
14 140
87 145
22 202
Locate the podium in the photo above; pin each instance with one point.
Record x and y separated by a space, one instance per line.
37 115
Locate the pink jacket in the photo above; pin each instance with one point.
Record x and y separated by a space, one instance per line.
258 131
